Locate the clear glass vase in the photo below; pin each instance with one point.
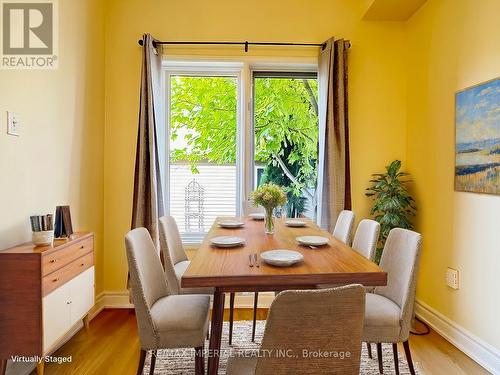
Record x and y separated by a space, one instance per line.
269 222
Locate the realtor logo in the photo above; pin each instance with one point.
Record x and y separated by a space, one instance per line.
29 34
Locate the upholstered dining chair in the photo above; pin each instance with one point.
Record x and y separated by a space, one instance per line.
164 320
249 208
175 259
366 238
327 321
389 308
365 243
343 227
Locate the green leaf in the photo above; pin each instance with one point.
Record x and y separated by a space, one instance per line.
393 206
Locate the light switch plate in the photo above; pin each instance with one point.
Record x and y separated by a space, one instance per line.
452 278
13 124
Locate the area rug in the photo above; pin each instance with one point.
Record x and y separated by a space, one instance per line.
177 362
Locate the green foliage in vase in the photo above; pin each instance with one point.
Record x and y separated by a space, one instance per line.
393 205
269 196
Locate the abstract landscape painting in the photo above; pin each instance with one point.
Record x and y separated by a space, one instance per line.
477 150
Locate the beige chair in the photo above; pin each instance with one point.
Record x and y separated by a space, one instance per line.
164 320
249 208
175 259
366 238
317 321
389 309
343 227
365 243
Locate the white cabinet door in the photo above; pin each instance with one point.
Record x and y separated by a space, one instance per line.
56 317
81 295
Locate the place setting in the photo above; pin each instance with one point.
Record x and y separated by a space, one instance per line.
312 242
258 216
281 257
227 241
295 223
230 223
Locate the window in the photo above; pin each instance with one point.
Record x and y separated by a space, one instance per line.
230 128
202 179
286 136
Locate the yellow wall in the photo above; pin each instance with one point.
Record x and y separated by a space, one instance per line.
377 84
58 158
452 44
403 77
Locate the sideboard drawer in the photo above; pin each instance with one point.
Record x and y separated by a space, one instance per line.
60 258
61 276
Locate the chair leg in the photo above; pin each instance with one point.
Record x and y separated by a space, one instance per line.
396 360
379 356
153 363
231 317
142 358
199 361
3 366
255 300
369 347
406 345
40 368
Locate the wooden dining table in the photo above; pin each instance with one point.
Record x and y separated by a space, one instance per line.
229 270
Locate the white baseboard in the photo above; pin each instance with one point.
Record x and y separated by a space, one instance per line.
480 351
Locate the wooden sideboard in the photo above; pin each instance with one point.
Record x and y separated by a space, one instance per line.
44 292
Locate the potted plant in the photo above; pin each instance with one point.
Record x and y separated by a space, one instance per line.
269 196
393 205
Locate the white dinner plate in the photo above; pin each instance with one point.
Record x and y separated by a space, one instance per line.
257 216
295 223
281 258
228 223
227 241
312 240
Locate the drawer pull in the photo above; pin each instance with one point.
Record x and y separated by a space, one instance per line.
69 302
82 264
53 260
55 280
81 247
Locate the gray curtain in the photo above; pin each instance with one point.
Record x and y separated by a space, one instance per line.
148 195
334 182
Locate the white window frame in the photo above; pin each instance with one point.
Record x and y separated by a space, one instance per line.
242 68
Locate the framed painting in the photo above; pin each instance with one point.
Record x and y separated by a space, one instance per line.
477 143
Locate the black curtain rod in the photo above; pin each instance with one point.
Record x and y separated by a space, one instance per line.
246 44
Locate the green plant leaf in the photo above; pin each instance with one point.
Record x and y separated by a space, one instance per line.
393 206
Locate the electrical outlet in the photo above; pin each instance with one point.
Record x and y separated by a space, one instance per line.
452 278
13 124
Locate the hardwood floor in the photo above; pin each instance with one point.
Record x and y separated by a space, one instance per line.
111 346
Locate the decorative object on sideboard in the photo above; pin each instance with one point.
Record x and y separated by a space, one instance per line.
63 226
477 138
43 229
